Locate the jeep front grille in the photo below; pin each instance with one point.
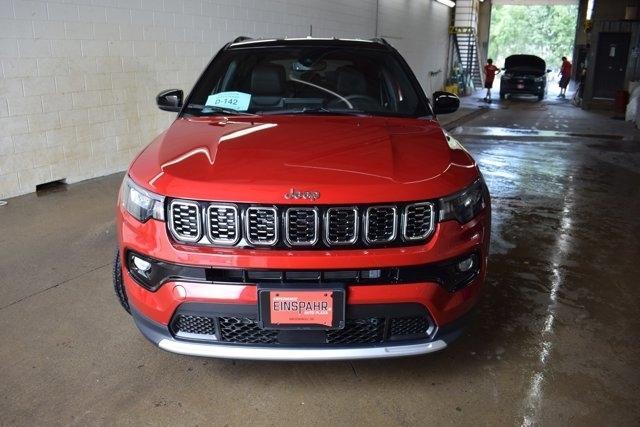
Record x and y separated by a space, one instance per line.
223 224
341 226
301 226
418 221
226 224
184 221
381 224
261 226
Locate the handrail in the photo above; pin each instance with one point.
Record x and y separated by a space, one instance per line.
481 60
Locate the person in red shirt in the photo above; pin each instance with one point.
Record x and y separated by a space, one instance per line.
490 72
565 76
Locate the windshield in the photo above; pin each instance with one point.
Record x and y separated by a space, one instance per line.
298 80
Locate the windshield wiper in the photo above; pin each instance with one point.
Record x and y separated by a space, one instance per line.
316 110
208 109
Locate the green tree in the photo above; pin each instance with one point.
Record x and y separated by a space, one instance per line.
544 31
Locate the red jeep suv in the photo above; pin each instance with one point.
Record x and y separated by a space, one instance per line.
304 205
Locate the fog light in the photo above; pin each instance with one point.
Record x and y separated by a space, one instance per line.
142 265
466 264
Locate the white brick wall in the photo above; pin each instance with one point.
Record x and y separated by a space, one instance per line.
420 31
79 77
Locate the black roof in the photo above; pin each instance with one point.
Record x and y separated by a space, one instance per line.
241 42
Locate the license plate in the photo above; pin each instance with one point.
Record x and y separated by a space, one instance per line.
301 308
520 86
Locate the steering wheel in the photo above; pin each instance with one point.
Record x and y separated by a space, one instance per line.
359 101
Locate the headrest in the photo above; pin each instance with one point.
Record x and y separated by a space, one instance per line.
268 80
351 81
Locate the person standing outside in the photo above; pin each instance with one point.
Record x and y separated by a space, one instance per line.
565 76
490 72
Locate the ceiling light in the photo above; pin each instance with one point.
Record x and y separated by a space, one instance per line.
447 3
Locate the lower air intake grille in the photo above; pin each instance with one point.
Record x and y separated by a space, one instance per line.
194 325
409 326
262 226
245 331
358 331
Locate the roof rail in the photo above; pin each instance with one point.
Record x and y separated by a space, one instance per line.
381 41
241 39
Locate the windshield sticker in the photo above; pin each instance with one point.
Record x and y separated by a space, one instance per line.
238 101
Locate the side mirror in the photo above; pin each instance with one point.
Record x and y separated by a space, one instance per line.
170 100
445 102
548 70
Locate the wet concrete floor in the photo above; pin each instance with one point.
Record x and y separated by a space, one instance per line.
555 339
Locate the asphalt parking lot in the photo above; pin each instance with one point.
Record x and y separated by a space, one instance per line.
554 340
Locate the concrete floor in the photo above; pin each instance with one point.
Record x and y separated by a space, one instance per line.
555 340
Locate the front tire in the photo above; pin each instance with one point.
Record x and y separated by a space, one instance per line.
118 284
540 96
502 96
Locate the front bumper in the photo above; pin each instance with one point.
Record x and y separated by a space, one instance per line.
154 311
526 87
161 336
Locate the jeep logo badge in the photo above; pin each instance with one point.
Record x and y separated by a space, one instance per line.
294 194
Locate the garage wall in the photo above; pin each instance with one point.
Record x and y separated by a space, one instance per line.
79 77
419 29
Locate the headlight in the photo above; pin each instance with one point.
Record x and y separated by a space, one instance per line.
140 203
539 79
465 205
507 77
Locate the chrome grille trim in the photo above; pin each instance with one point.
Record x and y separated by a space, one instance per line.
226 225
287 227
249 234
176 228
368 225
406 220
328 226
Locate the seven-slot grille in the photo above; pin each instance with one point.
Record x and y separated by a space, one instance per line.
303 226
223 224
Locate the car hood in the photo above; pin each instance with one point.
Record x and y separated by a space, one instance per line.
525 62
345 159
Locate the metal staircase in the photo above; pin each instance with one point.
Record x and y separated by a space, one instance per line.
464 34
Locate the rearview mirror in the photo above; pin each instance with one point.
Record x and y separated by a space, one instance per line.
445 102
170 100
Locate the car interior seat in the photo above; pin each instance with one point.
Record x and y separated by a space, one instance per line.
268 86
